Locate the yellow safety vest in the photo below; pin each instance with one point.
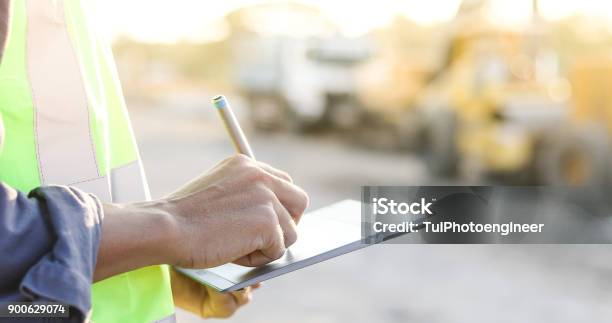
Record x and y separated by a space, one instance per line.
66 123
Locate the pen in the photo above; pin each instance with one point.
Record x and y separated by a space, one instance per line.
233 128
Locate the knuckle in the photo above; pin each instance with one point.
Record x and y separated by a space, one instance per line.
267 219
280 173
260 175
241 159
234 160
257 174
286 176
265 195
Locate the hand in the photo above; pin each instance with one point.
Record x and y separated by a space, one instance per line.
241 211
205 301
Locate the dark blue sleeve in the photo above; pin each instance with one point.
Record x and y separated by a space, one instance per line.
48 245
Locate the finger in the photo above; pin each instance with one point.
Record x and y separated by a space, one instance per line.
276 172
272 248
187 293
292 197
296 215
242 297
220 305
256 286
287 223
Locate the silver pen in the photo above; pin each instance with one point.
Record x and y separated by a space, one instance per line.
232 126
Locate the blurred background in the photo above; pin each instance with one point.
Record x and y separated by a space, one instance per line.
349 93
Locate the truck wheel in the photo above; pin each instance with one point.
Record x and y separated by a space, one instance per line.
578 159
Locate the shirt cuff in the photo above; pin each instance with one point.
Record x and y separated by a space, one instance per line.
65 274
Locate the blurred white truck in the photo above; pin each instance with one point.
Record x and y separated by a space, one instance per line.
299 84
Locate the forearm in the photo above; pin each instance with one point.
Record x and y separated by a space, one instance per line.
134 236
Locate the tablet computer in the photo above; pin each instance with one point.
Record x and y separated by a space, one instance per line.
322 234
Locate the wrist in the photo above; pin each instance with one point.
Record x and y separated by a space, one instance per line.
164 229
179 233
134 236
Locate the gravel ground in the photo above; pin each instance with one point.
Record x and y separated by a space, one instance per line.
387 283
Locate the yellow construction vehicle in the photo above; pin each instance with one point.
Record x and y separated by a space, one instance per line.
498 107
493 100
578 153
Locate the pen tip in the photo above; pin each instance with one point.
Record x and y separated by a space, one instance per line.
219 101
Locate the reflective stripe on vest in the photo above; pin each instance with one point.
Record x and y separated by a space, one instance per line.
66 123
64 144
